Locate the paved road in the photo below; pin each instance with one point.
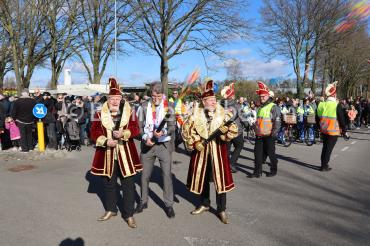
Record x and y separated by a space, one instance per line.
57 203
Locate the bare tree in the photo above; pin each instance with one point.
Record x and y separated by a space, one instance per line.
5 56
60 20
234 69
168 28
346 61
25 26
96 33
296 29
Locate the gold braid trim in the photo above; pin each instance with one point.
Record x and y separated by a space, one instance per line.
101 140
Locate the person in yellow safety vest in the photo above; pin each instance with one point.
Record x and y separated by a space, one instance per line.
283 110
308 111
267 127
180 113
300 123
332 124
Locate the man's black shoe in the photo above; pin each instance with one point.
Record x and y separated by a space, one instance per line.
325 169
170 212
233 169
140 207
254 175
270 174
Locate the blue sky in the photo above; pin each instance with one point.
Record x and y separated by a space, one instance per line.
138 68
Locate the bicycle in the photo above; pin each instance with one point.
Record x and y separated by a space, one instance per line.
291 131
251 133
310 122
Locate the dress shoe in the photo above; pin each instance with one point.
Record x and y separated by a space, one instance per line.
170 212
140 207
270 174
233 169
325 169
131 222
107 215
199 210
255 175
223 217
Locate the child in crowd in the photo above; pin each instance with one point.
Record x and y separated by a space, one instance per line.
15 134
352 113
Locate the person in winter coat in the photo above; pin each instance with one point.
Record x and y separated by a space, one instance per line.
352 113
15 134
22 114
50 120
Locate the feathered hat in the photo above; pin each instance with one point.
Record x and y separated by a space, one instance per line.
114 89
262 89
331 89
228 91
208 89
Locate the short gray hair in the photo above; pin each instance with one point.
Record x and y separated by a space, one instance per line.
157 88
25 92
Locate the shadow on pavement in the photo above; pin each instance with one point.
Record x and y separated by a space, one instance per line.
95 186
70 242
179 188
342 209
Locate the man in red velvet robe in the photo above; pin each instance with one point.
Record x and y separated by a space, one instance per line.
211 161
113 130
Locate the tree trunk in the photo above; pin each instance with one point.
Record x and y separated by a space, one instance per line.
97 76
164 74
54 78
2 76
17 73
297 71
313 82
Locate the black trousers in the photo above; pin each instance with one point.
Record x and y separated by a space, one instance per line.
238 144
110 190
26 136
327 147
204 196
51 132
264 146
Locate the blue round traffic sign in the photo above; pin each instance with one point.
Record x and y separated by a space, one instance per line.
39 111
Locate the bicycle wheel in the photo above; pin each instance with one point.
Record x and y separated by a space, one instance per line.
288 135
306 137
251 135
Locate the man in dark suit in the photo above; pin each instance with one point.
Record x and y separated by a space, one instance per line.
157 144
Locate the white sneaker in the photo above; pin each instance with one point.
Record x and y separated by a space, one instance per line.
14 149
357 128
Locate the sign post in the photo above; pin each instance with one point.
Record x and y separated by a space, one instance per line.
39 111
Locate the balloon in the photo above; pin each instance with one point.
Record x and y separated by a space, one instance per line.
215 87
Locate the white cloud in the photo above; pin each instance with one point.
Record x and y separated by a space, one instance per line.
78 67
255 68
237 52
136 76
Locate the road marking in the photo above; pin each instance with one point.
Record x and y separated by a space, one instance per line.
354 142
192 241
345 148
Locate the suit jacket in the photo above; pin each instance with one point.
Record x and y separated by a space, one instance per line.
171 126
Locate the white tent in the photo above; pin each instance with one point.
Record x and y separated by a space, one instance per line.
82 89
